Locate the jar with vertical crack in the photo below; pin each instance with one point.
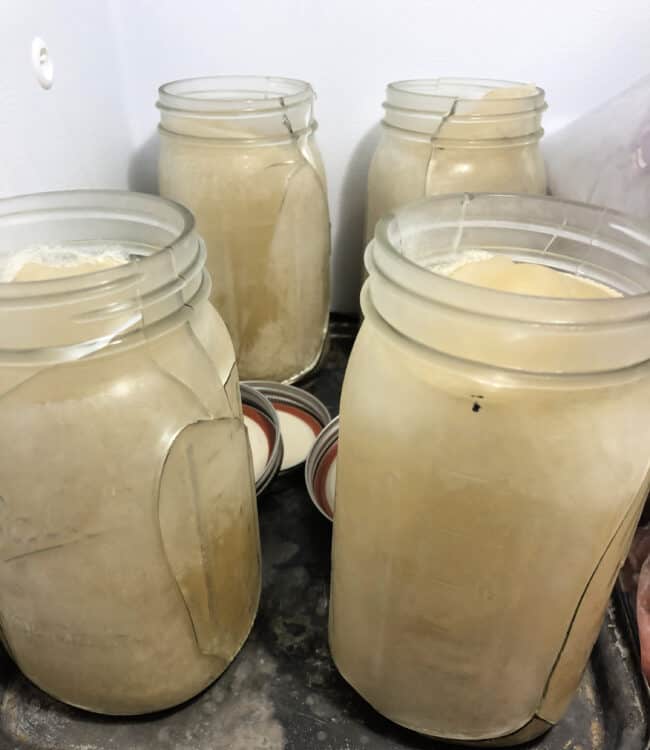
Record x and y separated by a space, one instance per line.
492 461
129 545
450 135
240 153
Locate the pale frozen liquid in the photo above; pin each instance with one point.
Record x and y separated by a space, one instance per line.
43 263
259 446
480 521
509 92
262 211
129 549
403 169
506 275
297 438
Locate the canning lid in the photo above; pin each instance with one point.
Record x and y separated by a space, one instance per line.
301 415
320 469
264 436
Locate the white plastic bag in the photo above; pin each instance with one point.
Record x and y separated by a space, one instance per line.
603 157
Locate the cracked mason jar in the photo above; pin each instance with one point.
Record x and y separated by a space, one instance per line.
129 548
493 459
450 135
240 152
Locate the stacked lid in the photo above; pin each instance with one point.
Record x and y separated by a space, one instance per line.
289 428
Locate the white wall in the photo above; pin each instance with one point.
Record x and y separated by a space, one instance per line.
97 123
75 134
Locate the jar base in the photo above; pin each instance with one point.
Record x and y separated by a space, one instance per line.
303 374
165 705
532 729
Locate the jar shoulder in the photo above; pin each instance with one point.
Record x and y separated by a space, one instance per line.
183 368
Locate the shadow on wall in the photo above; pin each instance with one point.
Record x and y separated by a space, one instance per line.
347 258
143 166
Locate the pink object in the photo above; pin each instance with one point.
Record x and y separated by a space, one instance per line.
643 615
639 551
635 581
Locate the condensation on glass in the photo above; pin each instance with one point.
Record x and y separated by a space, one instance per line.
240 152
492 465
129 546
451 135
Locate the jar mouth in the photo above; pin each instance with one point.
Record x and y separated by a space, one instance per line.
504 328
230 95
465 109
459 222
71 317
167 224
461 95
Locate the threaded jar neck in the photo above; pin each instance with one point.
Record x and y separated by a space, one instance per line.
464 110
540 335
237 108
71 317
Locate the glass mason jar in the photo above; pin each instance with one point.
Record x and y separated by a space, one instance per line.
451 135
493 461
240 152
129 545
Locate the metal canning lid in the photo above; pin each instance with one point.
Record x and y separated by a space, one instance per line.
264 436
302 417
320 469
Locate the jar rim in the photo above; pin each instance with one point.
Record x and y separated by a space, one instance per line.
115 204
233 94
511 305
460 88
458 96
